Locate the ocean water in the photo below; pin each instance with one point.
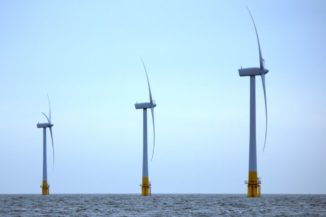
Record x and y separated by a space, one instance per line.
162 205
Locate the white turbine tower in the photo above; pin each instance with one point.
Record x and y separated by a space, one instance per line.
146 186
45 186
253 180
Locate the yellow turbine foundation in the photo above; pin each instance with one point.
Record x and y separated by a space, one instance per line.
146 187
253 185
45 188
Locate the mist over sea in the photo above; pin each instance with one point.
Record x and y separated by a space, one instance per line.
162 205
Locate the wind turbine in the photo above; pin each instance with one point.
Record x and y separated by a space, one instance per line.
253 180
45 186
146 186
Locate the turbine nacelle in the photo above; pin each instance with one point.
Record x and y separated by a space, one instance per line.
252 71
145 105
44 125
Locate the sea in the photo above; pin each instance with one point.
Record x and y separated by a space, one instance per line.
164 205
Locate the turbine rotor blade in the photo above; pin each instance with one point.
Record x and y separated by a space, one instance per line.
49 102
149 86
264 89
261 63
52 144
261 60
152 111
46 117
151 102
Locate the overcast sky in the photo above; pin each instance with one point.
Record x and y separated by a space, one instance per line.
85 55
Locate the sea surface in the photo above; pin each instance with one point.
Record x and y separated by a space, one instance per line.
162 205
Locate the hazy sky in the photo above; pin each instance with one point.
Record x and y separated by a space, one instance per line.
85 55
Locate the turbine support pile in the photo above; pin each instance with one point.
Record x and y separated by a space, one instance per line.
254 189
146 185
45 186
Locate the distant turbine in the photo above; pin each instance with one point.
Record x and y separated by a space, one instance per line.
45 186
146 186
253 180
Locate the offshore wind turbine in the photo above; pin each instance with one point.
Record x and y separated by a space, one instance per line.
45 187
253 180
146 185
